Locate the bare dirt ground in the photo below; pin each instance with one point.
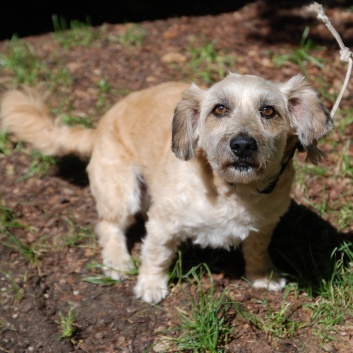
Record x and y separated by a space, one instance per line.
58 206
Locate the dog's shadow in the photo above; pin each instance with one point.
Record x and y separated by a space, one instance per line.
307 248
72 169
302 248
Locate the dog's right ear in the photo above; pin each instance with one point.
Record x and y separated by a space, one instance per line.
185 123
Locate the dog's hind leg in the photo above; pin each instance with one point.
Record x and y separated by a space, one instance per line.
258 264
115 186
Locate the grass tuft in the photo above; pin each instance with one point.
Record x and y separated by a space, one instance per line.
299 56
76 120
275 322
75 33
67 324
207 63
132 37
21 59
5 144
9 222
205 325
17 289
40 166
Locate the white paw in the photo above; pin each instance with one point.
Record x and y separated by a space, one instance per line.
117 270
152 290
116 257
272 282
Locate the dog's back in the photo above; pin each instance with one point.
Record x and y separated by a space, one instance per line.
136 122
140 126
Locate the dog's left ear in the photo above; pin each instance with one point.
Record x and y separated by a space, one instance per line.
309 118
185 122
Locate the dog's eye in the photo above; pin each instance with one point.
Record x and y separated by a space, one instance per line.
219 110
267 112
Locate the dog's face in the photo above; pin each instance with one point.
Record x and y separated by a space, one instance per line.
246 125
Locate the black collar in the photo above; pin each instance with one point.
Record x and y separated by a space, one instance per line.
272 184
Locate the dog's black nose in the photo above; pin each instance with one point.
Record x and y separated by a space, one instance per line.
243 146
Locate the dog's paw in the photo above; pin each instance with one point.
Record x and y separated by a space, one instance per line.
151 290
117 270
272 282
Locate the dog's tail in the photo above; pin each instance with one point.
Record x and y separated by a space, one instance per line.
25 114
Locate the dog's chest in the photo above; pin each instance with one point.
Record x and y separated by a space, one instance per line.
223 223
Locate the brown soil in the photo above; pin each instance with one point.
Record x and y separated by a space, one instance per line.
58 205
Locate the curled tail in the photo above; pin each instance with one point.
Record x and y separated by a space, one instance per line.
25 114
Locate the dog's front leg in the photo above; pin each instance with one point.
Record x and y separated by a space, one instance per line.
116 257
258 265
158 252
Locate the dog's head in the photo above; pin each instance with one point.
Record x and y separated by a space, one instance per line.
245 125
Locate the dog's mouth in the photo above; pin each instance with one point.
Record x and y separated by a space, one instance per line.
243 165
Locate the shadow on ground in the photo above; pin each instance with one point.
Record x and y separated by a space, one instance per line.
286 22
73 169
302 248
307 248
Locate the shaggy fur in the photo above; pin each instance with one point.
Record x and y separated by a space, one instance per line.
225 181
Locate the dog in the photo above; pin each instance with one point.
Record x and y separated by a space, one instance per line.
213 165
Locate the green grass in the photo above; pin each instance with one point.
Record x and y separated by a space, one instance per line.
343 120
344 166
26 67
78 236
329 284
75 33
40 166
204 326
28 252
328 303
176 273
20 58
104 88
334 304
325 90
206 62
17 289
299 56
77 239
67 324
102 105
275 322
5 144
344 216
71 120
8 222
132 36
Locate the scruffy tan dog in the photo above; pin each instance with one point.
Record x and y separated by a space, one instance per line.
219 172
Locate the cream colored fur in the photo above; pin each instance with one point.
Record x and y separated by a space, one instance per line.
186 172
